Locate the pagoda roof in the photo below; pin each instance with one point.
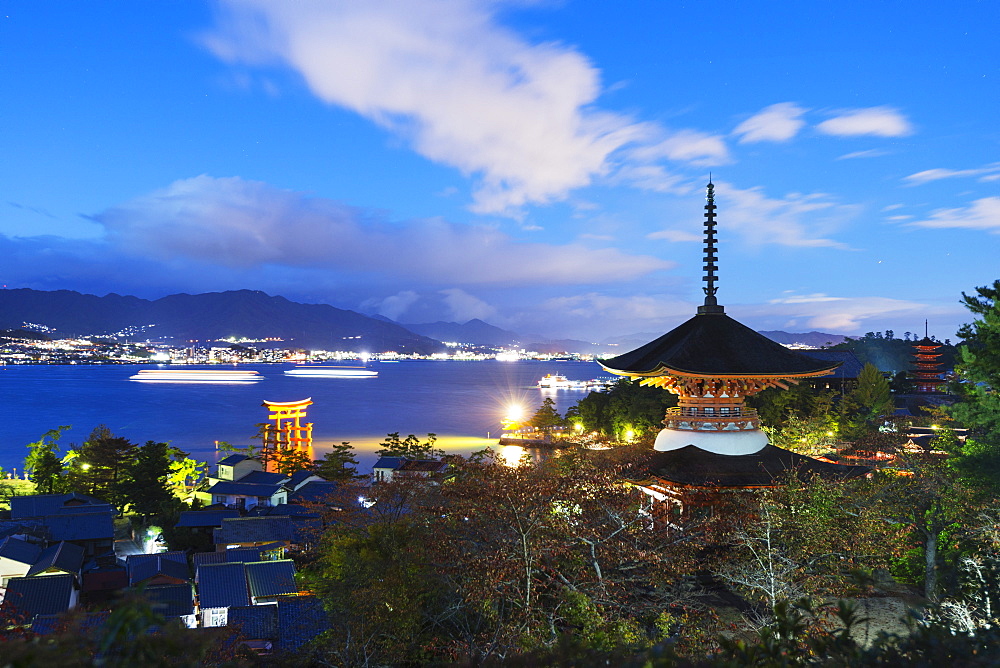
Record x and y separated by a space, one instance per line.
715 345
694 467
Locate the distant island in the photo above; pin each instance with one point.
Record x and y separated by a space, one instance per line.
276 322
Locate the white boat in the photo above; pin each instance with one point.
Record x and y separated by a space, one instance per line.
195 376
552 381
332 371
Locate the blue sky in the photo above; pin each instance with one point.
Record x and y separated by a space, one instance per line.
539 165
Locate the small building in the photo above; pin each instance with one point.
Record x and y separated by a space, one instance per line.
254 532
40 505
163 568
60 558
17 556
387 469
220 587
28 597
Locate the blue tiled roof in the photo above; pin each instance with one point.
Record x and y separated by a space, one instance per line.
45 624
19 550
85 526
254 530
205 518
300 619
61 556
312 492
298 478
145 569
48 595
232 460
37 505
235 555
222 586
389 462
271 578
254 622
173 600
263 478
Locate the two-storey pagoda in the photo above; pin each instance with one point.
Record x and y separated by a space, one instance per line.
712 441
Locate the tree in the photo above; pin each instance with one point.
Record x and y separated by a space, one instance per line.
339 464
546 417
291 460
979 366
43 464
102 463
147 488
185 472
410 447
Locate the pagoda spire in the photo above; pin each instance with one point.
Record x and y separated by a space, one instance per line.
711 305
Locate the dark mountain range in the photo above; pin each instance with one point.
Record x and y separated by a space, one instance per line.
474 331
206 317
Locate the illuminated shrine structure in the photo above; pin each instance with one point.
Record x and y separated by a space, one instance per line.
287 429
711 441
927 372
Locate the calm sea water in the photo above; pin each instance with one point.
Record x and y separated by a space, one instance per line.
462 402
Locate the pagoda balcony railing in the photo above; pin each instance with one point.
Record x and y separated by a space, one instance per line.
721 418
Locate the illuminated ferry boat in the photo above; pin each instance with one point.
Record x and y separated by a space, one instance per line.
195 376
552 381
332 372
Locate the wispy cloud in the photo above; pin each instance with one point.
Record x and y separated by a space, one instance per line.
779 122
794 220
870 153
245 224
987 173
840 314
690 146
675 235
462 89
982 214
877 121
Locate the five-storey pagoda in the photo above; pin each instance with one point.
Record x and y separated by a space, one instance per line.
927 372
711 440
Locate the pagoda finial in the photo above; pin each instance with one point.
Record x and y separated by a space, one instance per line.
710 305
926 335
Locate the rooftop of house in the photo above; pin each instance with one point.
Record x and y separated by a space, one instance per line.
232 460
19 550
222 586
271 578
235 555
81 526
263 478
164 564
239 530
39 505
30 596
312 492
59 557
254 622
299 477
205 518
170 600
300 619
